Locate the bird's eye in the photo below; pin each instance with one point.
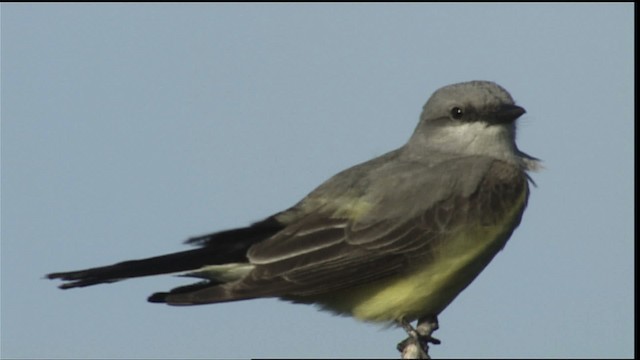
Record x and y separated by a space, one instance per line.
457 113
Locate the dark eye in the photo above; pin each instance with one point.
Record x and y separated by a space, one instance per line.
457 113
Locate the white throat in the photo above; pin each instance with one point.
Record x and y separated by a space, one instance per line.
473 138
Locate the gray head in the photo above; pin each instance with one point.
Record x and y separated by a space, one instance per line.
471 118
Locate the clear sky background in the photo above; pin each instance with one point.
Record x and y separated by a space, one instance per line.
127 128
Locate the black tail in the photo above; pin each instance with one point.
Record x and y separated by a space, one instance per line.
218 248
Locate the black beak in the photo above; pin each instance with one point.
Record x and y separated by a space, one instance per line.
506 114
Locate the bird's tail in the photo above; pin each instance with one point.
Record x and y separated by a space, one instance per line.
165 264
219 248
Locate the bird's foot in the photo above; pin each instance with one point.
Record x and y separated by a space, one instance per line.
416 346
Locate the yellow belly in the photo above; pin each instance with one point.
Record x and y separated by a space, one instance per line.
428 289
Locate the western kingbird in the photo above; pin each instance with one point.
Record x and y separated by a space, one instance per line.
391 240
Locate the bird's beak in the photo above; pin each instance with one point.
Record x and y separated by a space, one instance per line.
506 114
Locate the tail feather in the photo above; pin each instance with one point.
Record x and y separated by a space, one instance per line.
218 248
181 261
204 292
161 297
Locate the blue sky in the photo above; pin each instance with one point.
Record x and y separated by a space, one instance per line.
127 128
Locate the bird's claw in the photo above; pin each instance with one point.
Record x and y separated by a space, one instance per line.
416 346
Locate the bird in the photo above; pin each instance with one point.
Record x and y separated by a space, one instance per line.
391 240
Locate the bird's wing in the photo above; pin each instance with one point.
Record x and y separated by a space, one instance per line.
329 249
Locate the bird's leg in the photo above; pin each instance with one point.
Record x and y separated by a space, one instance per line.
416 346
427 326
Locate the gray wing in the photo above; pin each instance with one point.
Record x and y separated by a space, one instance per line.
416 208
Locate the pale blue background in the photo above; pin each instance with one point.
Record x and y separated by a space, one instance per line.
127 128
